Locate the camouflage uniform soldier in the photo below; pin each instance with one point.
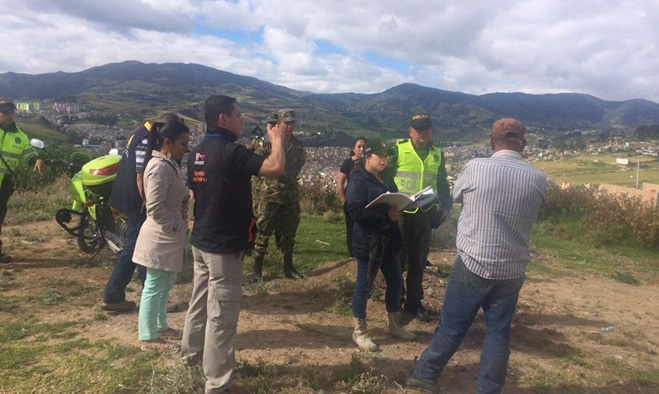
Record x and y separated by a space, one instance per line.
279 208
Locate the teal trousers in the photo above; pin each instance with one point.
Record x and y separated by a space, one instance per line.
153 306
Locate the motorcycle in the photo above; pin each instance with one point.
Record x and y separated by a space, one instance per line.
91 219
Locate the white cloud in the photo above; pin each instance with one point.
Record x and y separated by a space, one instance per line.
608 49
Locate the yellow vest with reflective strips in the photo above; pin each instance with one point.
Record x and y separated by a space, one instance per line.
414 174
14 148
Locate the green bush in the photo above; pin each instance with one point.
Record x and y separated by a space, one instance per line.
56 157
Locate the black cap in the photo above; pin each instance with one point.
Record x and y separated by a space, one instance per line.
379 148
420 121
7 105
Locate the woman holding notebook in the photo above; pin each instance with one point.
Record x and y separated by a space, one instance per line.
375 243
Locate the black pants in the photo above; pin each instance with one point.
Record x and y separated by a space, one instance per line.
6 190
416 229
349 224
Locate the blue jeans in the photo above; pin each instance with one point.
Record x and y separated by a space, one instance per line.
465 295
394 279
115 290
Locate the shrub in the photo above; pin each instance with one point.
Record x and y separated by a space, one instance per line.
604 218
316 199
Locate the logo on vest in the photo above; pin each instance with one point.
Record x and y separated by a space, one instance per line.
199 159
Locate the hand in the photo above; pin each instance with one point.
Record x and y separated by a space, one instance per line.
393 214
343 200
40 167
276 133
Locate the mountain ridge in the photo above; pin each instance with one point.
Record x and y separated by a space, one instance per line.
133 87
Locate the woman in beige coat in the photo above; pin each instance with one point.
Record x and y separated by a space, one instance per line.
161 243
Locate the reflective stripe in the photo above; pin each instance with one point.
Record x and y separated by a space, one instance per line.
407 174
11 155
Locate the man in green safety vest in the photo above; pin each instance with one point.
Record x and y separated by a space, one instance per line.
417 164
15 149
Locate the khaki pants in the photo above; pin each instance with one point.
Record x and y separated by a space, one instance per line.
210 325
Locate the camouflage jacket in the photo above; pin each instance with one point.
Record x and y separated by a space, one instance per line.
285 188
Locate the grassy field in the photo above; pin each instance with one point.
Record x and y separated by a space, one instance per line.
601 169
35 129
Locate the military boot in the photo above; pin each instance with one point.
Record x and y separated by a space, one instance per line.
361 338
289 271
396 329
257 275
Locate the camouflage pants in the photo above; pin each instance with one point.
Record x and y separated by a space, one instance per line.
280 218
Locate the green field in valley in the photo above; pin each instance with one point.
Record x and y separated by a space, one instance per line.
601 169
37 130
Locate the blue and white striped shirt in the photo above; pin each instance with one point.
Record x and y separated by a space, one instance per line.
501 198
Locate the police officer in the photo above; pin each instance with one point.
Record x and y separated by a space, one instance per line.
279 208
417 164
15 149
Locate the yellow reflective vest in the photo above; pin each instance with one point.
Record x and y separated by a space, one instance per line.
414 174
15 149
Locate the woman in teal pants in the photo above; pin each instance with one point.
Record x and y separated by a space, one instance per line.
161 244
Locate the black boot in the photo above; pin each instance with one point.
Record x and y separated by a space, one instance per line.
257 275
289 271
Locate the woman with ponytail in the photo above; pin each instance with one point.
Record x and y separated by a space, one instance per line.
347 167
161 244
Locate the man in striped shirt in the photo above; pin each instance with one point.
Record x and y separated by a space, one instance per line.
501 198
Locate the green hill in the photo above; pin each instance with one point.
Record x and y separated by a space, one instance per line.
136 90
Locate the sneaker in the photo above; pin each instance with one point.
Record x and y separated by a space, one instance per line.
123 306
412 382
4 259
418 312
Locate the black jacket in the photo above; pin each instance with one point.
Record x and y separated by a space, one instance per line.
363 188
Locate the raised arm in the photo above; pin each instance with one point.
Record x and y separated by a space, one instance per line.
274 164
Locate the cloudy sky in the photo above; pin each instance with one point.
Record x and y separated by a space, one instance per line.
609 49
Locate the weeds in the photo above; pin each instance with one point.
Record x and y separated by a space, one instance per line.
316 199
176 378
603 219
626 278
356 377
50 297
258 377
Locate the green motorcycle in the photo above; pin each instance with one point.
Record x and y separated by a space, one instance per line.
91 219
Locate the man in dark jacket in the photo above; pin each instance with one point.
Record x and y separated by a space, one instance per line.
219 176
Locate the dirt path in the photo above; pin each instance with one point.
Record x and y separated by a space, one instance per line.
305 327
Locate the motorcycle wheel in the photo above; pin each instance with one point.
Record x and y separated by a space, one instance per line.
88 229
